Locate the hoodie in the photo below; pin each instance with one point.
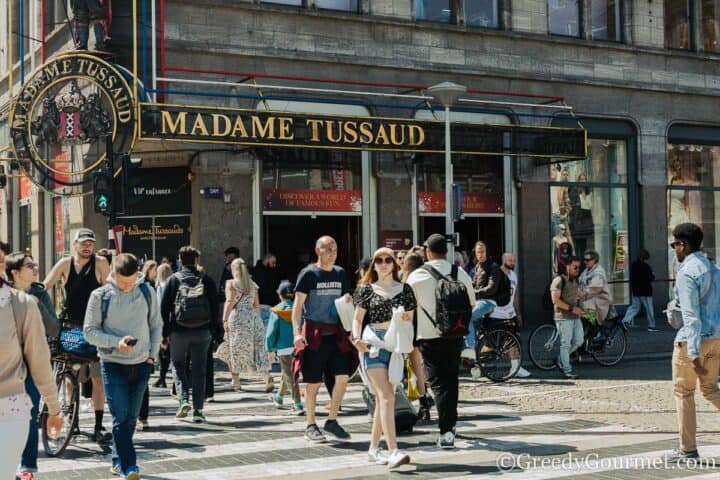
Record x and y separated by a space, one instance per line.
279 336
127 315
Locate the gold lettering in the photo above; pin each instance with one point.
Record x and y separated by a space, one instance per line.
19 121
350 130
239 127
216 125
266 131
116 92
382 136
92 69
102 74
67 64
416 135
178 127
199 125
329 131
284 126
393 137
111 82
51 71
314 126
366 134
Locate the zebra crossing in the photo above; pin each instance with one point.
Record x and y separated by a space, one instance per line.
246 437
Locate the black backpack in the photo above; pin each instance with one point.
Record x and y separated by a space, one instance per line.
504 291
452 304
546 301
192 308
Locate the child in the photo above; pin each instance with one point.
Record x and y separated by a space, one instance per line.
279 339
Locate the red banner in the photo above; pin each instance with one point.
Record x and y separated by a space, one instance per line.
296 200
25 187
59 226
434 202
61 162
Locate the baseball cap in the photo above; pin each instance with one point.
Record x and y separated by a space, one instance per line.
436 243
286 288
364 264
84 234
232 251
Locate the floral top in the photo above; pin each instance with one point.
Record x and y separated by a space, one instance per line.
15 407
379 308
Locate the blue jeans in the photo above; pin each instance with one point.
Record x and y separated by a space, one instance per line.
481 308
571 338
124 389
265 311
634 309
28 462
383 358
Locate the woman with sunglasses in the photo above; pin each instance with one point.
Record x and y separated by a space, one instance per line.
594 288
379 291
22 273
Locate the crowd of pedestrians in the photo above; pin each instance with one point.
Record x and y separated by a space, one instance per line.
412 305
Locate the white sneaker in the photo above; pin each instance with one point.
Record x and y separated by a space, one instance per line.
446 440
476 373
398 458
468 353
378 456
522 373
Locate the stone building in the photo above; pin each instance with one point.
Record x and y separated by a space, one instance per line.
642 78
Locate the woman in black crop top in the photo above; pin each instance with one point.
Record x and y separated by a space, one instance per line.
379 291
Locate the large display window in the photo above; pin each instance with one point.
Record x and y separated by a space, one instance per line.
589 211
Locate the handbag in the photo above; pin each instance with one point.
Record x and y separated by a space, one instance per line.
413 393
674 314
73 341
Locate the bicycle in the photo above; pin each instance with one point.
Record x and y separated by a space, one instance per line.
65 369
495 347
607 345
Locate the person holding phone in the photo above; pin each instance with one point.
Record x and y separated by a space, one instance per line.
128 340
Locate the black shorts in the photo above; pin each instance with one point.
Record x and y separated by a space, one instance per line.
328 358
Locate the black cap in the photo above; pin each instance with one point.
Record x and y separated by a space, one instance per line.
437 243
364 264
286 288
232 251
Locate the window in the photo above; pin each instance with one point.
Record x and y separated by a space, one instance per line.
292 3
482 13
711 25
343 5
677 24
589 210
564 17
433 10
694 194
606 20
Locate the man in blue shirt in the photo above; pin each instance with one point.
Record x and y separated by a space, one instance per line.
696 355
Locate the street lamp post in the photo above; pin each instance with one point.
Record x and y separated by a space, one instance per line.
447 94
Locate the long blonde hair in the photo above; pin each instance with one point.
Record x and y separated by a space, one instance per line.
241 277
148 266
164 272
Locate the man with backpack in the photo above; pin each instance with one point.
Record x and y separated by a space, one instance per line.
445 299
190 311
564 293
696 352
123 321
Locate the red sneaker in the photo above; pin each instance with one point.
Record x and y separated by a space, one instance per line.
27 476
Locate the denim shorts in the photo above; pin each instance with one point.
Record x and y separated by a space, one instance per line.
383 358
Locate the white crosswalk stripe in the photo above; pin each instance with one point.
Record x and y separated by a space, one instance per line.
247 437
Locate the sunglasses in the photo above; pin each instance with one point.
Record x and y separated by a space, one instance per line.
588 259
677 243
385 260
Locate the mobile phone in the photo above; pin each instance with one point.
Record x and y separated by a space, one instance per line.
132 342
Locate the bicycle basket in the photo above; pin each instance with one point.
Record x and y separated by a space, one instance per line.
73 341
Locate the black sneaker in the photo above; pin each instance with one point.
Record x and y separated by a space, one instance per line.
333 429
314 435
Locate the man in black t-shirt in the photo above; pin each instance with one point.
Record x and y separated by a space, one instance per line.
323 345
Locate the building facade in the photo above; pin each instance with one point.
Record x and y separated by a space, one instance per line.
642 78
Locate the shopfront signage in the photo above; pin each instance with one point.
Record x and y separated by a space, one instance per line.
297 200
472 203
265 128
74 102
158 191
155 237
215 193
396 239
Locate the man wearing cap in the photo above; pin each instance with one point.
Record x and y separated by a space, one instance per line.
82 273
440 355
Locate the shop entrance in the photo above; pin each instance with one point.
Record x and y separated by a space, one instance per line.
291 238
471 229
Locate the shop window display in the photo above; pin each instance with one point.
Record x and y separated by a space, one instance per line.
589 210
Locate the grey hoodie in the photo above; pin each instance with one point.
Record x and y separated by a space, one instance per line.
127 315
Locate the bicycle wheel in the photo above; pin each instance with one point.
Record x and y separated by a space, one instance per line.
544 346
494 352
69 397
613 349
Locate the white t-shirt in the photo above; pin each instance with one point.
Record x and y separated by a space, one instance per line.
508 311
423 284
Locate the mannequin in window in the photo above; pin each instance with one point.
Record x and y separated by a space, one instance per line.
562 249
581 219
564 204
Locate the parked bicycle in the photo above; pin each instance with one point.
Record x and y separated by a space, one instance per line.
66 367
495 347
606 344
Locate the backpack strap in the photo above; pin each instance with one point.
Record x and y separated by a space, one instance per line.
18 301
145 289
454 272
105 297
434 272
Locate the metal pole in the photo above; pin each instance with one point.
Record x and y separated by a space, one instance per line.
449 221
109 162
